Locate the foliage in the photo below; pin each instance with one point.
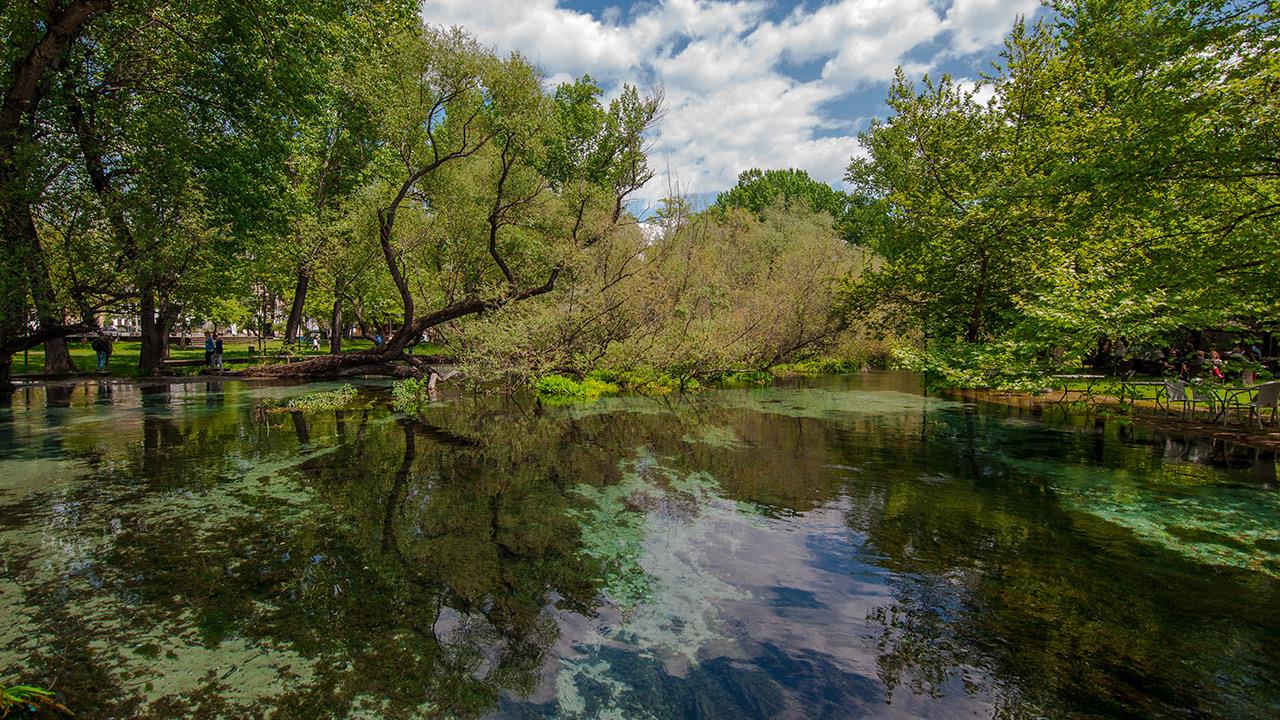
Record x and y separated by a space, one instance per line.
560 387
746 377
1120 182
28 698
992 366
410 395
704 295
759 191
149 172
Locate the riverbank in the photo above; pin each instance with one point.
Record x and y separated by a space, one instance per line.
1143 411
185 361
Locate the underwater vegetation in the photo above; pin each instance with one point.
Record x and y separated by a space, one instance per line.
28 701
312 402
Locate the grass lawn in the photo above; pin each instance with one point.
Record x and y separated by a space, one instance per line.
1111 387
124 358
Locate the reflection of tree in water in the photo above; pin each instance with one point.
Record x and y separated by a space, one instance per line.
412 570
421 580
1050 611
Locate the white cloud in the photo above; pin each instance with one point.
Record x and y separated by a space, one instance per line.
976 24
729 71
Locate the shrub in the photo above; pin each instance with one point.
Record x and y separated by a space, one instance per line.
410 395
561 387
747 377
644 381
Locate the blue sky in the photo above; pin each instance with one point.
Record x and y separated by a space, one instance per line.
748 83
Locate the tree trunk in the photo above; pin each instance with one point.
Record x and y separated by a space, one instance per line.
151 357
164 322
6 369
57 358
295 312
335 328
974 332
36 281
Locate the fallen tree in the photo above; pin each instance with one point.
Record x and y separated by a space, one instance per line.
554 175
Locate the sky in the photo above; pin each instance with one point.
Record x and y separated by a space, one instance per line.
748 83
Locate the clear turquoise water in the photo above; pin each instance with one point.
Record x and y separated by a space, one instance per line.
833 548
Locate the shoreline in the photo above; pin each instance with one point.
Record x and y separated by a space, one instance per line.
1148 415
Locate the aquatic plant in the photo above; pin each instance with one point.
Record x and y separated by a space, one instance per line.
410 395
564 388
747 377
823 366
28 699
319 400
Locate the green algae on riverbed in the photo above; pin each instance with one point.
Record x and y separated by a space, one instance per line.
841 548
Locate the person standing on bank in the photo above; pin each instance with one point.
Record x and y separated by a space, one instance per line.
102 346
217 352
208 350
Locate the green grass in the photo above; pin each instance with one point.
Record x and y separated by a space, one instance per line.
1111 387
124 359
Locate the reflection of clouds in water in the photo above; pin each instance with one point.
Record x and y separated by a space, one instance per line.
758 617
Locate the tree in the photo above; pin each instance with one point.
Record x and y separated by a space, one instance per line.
473 213
176 123
1121 182
758 190
951 178
37 37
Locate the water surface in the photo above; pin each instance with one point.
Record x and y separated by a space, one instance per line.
832 548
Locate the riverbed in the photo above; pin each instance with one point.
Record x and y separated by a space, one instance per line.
823 548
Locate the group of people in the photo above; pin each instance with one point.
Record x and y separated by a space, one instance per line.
213 351
1188 364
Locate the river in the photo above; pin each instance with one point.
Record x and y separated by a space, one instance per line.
824 548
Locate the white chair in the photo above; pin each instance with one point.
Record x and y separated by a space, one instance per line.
1175 391
1206 396
1268 396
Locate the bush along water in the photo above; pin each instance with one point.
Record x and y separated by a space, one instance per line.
561 388
410 395
310 402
